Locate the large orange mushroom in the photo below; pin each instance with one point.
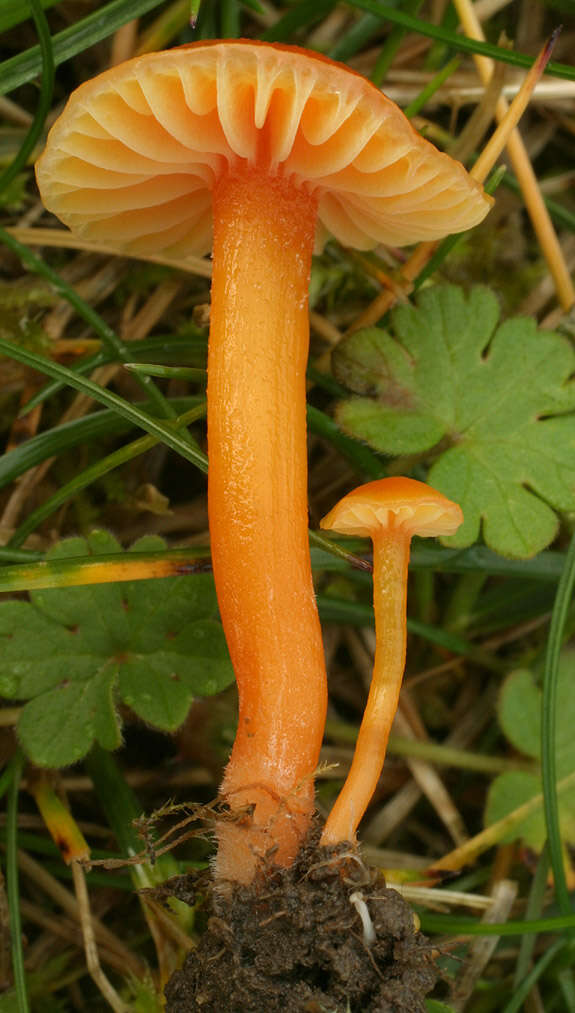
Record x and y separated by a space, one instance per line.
277 148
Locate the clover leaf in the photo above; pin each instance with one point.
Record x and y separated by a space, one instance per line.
519 713
76 654
491 408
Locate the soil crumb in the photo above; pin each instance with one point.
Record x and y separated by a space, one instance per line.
326 936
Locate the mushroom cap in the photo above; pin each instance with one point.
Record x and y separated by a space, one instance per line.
134 156
399 503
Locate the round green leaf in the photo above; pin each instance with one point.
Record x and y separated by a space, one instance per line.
74 653
494 405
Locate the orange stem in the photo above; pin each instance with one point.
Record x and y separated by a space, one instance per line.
390 564
264 229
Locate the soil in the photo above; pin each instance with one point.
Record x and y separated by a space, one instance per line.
295 942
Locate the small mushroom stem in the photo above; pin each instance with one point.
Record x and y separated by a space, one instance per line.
264 228
390 565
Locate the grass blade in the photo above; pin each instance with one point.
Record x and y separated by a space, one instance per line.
426 93
161 346
361 457
165 432
531 979
44 102
81 571
355 38
456 41
12 884
548 730
15 11
97 426
230 19
392 44
535 904
91 474
447 924
109 338
302 16
68 43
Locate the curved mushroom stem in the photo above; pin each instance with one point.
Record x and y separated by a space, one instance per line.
264 229
390 564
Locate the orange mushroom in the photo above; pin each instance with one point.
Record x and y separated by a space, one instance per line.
389 511
279 147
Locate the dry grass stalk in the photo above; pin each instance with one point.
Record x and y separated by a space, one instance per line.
504 135
124 42
90 948
432 786
396 811
58 928
63 239
523 169
492 835
66 900
443 900
481 949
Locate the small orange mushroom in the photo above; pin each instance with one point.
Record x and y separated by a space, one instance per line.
389 511
278 148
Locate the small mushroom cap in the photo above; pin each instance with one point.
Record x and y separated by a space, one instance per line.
399 503
134 156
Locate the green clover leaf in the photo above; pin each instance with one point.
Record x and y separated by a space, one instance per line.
519 713
76 653
493 404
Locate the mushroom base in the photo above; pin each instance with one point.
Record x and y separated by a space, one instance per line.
270 830
294 941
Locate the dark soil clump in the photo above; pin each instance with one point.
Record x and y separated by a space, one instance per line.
296 942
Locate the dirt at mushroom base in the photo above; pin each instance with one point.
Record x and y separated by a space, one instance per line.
324 936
